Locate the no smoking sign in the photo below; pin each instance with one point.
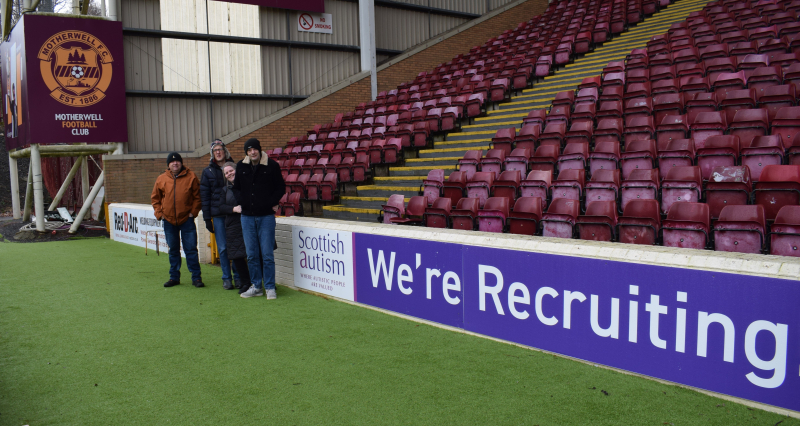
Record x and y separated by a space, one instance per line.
315 23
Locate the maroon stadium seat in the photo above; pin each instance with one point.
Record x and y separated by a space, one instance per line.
687 226
640 223
741 229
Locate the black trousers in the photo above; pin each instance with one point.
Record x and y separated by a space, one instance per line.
241 268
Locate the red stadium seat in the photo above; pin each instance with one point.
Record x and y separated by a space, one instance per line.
537 185
479 186
682 184
394 208
575 156
676 153
639 154
559 221
774 98
569 185
707 124
438 215
504 139
785 232
717 151
431 187
687 226
763 151
599 222
507 185
464 215
603 186
470 163
729 185
455 187
492 217
493 161
748 124
778 186
414 212
787 124
525 217
518 160
741 229
640 223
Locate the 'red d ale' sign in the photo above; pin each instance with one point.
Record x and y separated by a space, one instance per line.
304 5
63 81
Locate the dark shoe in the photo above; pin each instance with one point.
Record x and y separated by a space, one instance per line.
237 283
227 285
171 283
244 287
198 283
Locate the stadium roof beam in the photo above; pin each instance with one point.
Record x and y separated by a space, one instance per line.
207 95
180 35
424 9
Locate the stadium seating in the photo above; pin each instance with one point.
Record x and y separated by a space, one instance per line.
693 139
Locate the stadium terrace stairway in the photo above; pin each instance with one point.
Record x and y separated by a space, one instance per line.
406 180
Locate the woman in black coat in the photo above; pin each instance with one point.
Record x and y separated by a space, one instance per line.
233 227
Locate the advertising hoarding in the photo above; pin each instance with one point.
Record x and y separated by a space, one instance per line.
324 261
733 334
63 81
136 224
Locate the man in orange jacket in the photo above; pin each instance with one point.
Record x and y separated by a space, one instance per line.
176 201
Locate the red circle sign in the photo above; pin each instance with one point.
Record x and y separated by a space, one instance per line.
306 21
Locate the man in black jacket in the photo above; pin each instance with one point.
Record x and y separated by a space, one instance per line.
259 186
212 183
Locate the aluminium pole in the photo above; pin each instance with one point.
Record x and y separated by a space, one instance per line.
12 166
26 215
112 10
366 18
38 189
66 183
87 204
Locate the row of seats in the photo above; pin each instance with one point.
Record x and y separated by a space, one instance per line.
729 185
739 228
316 187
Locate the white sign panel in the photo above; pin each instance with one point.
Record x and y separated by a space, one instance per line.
323 261
315 23
136 224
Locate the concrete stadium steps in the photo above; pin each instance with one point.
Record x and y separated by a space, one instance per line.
406 179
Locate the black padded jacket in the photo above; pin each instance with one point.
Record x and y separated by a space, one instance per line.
211 184
259 188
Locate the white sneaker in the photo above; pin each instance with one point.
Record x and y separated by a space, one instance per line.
271 294
253 292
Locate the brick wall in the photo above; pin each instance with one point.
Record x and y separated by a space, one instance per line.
132 180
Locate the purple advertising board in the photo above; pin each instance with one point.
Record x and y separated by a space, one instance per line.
63 81
304 5
726 333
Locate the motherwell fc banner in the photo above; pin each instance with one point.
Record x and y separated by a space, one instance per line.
63 82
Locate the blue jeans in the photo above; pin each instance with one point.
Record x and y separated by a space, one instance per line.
259 237
219 235
186 233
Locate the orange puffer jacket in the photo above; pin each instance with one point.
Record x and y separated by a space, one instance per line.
174 198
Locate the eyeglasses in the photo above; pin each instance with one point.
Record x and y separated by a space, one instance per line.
217 150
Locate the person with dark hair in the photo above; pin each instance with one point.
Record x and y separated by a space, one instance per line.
237 252
176 202
212 183
259 187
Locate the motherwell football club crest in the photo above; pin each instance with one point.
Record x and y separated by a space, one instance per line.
76 67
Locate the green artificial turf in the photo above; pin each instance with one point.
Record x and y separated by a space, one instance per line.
88 336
